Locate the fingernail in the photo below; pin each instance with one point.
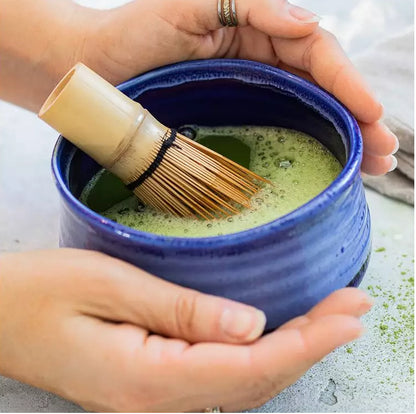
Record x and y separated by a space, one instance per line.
359 328
365 306
393 163
397 146
362 330
390 132
382 110
243 324
305 16
354 330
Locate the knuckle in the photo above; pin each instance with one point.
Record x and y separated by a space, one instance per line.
185 313
308 52
337 77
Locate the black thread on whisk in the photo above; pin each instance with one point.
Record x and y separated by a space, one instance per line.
166 144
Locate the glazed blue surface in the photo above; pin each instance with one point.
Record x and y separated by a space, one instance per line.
283 267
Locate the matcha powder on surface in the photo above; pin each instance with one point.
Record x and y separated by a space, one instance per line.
395 327
384 357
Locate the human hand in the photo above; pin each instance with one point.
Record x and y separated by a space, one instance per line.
142 35
111 337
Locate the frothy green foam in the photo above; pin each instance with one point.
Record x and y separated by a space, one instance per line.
298 165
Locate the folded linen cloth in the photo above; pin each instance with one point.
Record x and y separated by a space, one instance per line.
388 67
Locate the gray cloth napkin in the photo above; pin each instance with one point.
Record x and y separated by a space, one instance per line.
388 67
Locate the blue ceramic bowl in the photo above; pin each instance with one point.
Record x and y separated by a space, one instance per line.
283 267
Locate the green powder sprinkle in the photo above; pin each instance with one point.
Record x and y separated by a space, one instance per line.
380 249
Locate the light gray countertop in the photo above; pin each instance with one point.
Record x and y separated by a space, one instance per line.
375 374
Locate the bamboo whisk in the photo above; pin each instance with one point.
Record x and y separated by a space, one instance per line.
162 167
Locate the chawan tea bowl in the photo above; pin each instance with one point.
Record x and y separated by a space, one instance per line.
283 267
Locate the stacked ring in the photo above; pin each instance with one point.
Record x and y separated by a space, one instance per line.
227 13
212 410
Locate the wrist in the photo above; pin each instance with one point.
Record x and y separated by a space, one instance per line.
67 34
39 42
116 45
102 42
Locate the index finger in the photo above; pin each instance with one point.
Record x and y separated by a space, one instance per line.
321 55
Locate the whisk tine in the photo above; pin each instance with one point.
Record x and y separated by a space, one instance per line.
149 197
192 180
226 161
199 170
226 174
203 194
194 190
212 181
181 201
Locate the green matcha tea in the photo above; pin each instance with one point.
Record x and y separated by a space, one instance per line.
298 166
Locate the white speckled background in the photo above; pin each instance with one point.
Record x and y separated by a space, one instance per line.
375 374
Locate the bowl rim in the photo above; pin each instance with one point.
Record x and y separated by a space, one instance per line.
248 72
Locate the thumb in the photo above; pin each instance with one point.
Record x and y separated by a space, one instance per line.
276 18
134 296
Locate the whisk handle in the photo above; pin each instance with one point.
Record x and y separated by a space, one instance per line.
92 113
